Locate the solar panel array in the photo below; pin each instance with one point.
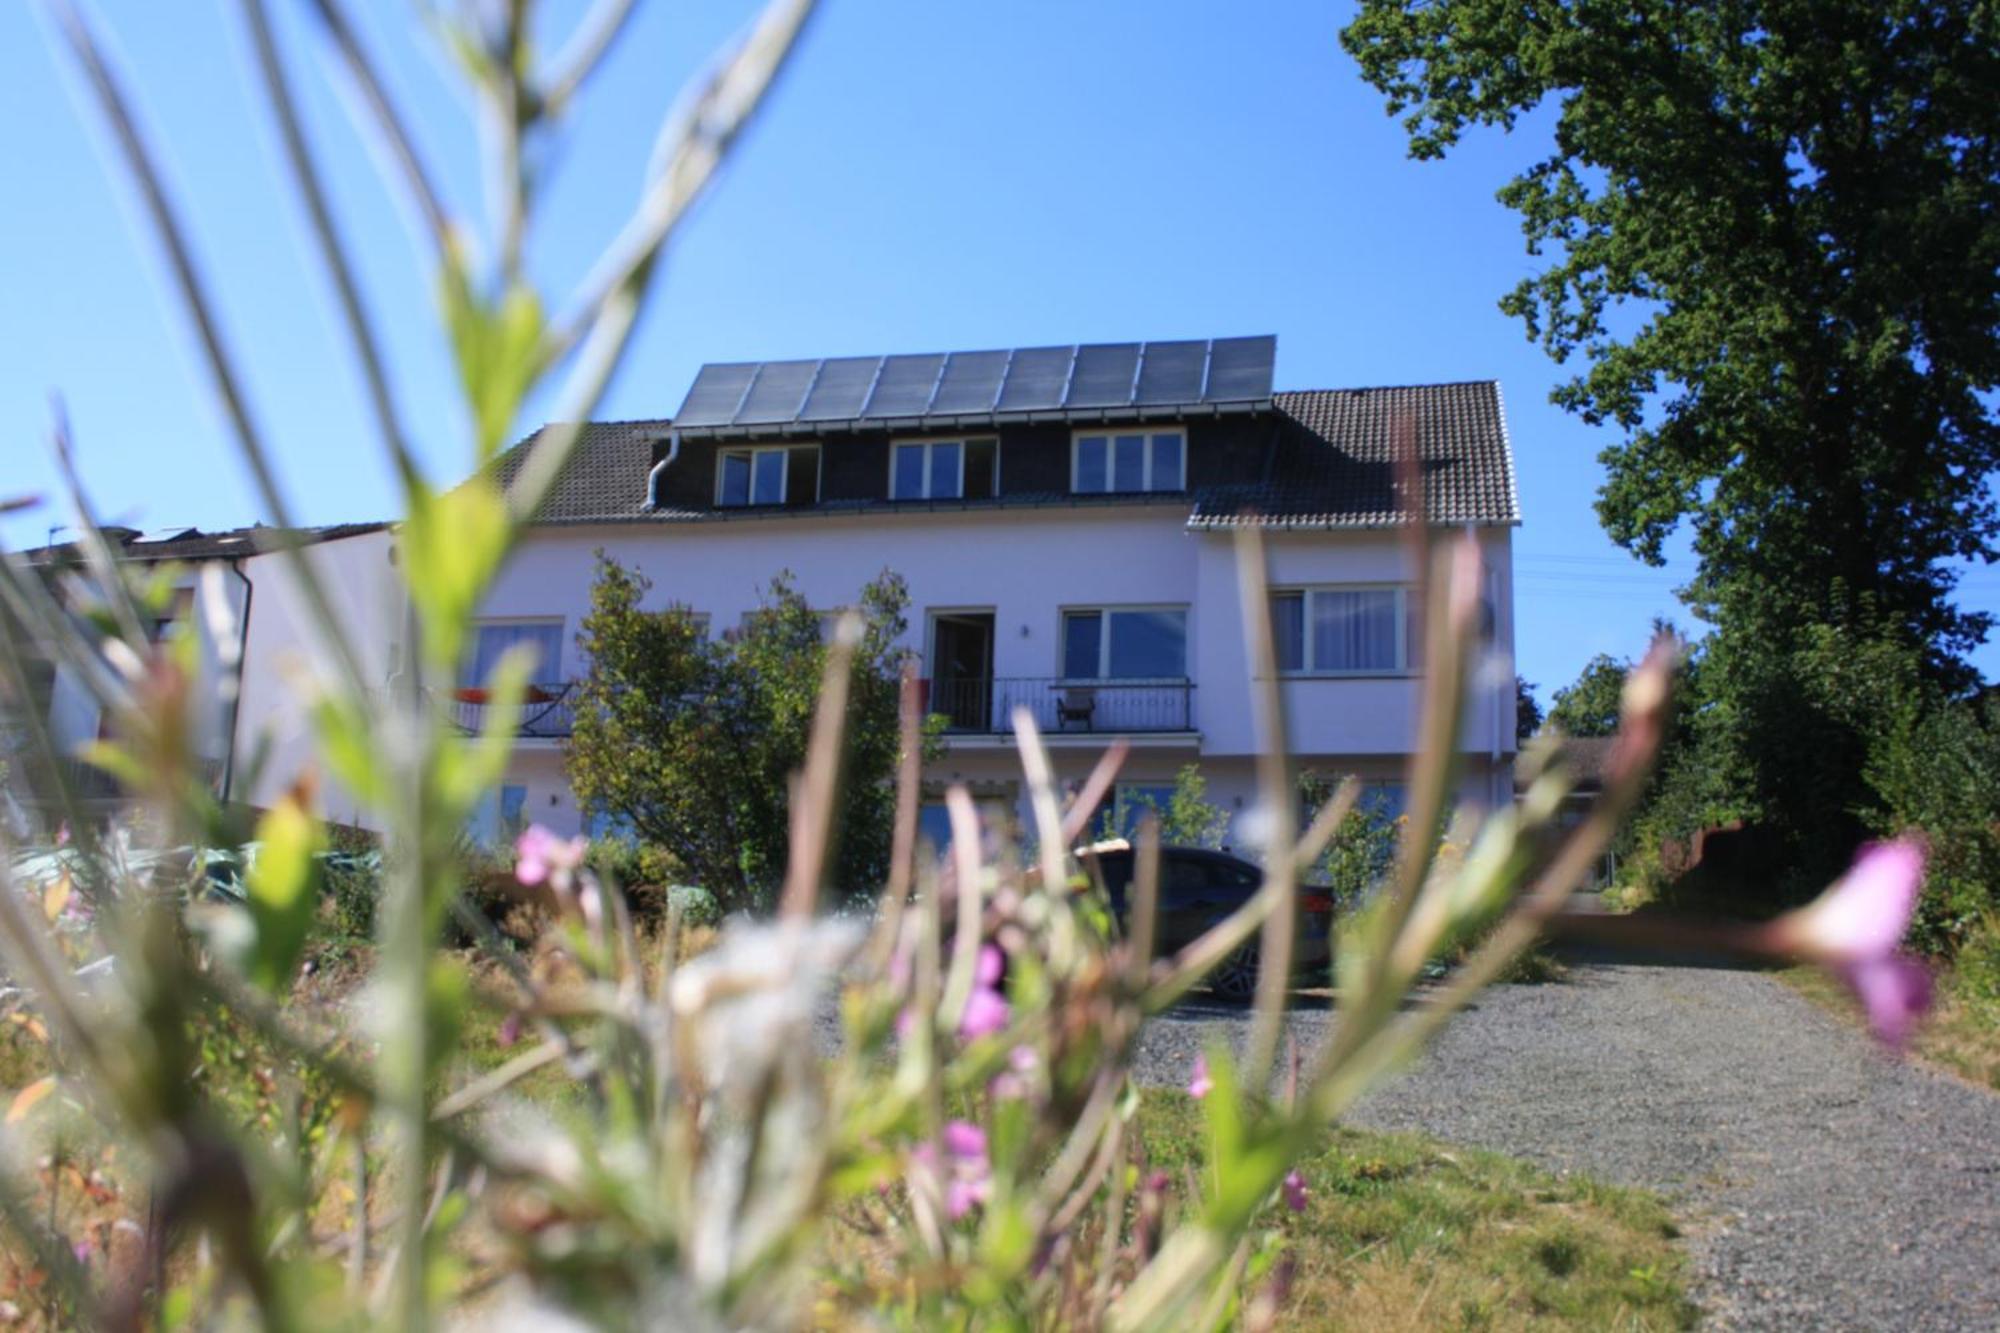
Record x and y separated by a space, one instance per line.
1093 378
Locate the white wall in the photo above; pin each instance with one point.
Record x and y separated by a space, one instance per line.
1025 566
287 657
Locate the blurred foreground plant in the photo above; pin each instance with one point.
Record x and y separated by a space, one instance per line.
952 1080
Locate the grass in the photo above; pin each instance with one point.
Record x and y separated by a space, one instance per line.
1401 1232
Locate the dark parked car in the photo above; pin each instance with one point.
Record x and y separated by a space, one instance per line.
1199 888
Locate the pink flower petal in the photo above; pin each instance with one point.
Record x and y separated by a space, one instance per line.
1865 914
1894 992
1295 1191
985 1013
510 1030
965 1141
962 1196
991 964
1199 1083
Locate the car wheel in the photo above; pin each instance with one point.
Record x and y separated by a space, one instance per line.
1235 977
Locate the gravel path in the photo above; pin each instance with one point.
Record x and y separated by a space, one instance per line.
1821 1186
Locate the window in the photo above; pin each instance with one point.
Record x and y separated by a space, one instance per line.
1125 643
772 476
944 470
1134 461
490 643
1336 631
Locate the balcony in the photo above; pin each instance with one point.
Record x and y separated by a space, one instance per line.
985 706
546 710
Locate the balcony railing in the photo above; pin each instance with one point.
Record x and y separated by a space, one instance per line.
546 711
985 706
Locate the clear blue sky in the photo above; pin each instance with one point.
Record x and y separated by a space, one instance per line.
930 176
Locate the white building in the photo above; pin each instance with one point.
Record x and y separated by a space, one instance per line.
253 742
1063 518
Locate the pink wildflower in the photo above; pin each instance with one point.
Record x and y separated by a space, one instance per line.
1294 1188
510 1030
968 1173
985 1013
1199 1083
1853 930
545 858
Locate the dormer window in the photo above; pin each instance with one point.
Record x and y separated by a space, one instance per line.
780 475
944 470
1110 462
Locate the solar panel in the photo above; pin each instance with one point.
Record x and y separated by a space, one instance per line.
971 382
1036 379
905 386
1104 375
777 393
841 389
717 393
1096 377
1239 369
1172 373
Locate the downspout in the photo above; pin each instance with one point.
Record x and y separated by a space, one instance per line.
242 662
653 477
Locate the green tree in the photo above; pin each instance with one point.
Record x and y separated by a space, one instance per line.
1527 710
1775 239
692 742
1189 820
1588 706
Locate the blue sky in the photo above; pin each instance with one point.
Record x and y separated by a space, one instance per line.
930 176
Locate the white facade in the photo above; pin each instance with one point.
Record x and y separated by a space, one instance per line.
1026 567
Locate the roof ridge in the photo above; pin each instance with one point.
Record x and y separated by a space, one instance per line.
1377 388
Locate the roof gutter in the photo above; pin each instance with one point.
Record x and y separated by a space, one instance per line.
653 477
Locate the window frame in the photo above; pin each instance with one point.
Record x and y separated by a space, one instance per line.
752 452
541 677
1110 433
1105 609
1406 662
927 443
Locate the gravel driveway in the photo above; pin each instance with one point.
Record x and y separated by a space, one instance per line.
1821 1186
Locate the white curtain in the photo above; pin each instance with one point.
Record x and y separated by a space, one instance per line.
1354 629
495 640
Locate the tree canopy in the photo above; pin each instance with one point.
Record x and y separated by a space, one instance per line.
1773 237
691 742
1589 705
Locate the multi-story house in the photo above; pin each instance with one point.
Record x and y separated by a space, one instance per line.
1064 519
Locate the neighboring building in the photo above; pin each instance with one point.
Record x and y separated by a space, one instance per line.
1063 517
263 624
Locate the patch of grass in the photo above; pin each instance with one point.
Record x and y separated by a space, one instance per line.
1403 1232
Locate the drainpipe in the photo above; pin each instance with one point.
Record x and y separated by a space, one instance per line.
653 477
242 662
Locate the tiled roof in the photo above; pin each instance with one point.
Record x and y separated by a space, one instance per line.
1335 466
191 544
605 477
